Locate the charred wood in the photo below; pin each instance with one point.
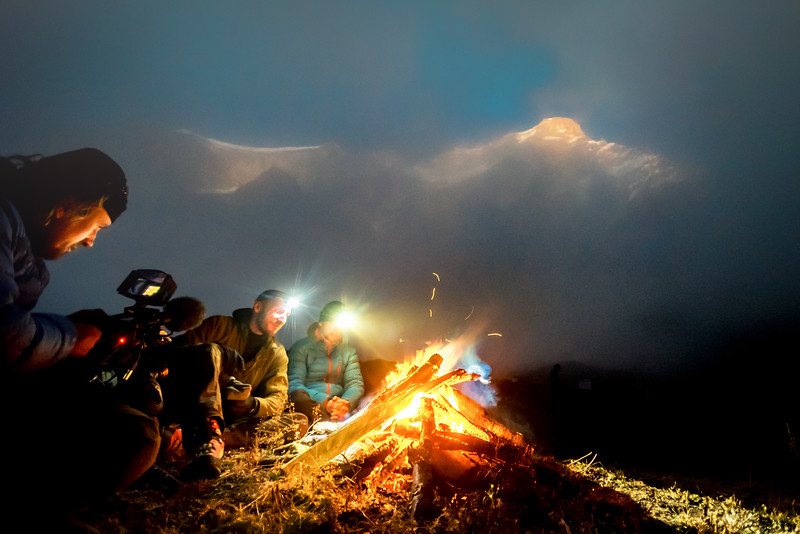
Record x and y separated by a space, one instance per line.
423 489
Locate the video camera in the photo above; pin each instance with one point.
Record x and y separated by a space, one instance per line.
132 340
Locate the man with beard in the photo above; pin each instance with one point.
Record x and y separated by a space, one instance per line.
244 372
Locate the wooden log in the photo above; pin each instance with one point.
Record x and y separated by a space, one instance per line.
477 416
416 376
391 465
373 416
363 456
457 466
423 489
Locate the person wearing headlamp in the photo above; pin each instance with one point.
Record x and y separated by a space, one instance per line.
324 372
239 369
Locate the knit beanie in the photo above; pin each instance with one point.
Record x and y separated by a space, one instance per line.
86 174
331 311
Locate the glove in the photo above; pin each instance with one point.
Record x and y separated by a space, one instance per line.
87 338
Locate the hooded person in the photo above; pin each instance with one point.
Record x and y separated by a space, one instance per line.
90 446
48 208
324 371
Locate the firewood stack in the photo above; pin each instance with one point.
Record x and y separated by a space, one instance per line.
417 434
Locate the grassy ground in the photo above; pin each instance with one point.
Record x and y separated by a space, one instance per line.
647 478
545 495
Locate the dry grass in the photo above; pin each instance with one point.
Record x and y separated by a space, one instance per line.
712 507
546 496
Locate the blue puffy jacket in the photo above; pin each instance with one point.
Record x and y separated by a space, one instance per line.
324 375
28 341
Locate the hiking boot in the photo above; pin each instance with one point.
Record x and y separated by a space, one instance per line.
206 458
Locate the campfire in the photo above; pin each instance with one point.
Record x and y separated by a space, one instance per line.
417 435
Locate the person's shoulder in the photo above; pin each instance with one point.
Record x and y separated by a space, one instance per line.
300 344
211 323
9 216
277 346
216 319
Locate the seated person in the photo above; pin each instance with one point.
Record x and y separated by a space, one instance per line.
229 376
324 372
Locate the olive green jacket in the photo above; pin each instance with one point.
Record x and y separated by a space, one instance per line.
266 372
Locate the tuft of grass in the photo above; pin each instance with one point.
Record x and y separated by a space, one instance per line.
688 511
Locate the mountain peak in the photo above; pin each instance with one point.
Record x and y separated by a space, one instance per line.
554 128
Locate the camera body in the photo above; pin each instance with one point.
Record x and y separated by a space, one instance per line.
129 337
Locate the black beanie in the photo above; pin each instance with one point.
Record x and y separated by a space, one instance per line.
86 174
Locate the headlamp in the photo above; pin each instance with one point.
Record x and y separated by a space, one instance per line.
345 320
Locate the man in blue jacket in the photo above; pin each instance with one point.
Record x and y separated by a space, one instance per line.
324 373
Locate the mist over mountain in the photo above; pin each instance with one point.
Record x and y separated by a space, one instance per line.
565 247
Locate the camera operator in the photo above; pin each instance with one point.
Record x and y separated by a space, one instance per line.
73 449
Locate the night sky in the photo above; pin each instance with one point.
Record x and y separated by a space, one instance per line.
368 151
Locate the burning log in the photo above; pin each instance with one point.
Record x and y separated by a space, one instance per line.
423 490
382 408
363 456
422 429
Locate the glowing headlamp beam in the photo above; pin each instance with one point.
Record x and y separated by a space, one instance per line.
346 320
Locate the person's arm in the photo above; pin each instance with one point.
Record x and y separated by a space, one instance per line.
204 333
353 380
298 371
28 341
271 392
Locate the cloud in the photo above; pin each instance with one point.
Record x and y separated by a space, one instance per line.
571 248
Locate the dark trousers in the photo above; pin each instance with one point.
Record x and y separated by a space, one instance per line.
305 405
192 393
74 448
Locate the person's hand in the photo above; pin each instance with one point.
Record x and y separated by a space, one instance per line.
337 408
95 317
246 407
235 390
88 336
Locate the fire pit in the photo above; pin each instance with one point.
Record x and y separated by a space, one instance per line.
416 434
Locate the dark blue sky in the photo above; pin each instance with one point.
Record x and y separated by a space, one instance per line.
709 87
680 77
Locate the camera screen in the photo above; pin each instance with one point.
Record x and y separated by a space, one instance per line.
148 287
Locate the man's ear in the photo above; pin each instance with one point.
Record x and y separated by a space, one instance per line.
257 305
